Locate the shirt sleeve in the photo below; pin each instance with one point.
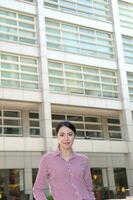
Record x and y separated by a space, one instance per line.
88 180
41 180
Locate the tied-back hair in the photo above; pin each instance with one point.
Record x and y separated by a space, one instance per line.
67 124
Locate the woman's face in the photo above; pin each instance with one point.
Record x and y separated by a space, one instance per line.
65 138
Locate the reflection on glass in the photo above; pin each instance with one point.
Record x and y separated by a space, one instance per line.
121 182
11 184
101 184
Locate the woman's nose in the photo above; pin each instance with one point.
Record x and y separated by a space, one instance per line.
66 137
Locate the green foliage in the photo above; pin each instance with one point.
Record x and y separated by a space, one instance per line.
50 198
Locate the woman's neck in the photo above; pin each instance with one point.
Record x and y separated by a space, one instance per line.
66 153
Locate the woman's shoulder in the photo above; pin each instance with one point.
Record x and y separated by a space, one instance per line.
82 157
48 155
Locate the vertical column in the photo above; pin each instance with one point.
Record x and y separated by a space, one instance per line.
25 123
45 108
130 170
105 128
126 116
111 179
105 180
28 174
28 181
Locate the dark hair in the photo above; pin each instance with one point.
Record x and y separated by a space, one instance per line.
66 124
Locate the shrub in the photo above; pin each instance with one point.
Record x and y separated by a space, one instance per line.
50 198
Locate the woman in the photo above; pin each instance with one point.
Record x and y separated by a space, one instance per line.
68 173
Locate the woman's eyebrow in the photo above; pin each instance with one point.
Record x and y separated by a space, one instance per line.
66 133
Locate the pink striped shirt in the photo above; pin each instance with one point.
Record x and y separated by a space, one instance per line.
69 180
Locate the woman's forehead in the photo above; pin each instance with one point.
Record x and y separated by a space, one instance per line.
65 129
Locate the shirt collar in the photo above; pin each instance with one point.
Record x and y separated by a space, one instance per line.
58 153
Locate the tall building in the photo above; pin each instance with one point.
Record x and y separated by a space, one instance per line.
66 59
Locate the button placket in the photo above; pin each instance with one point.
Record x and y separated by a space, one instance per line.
71 177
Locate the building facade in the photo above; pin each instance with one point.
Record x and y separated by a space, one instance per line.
66 59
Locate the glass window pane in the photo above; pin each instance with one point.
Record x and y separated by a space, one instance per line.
12 183
92 119
13 131
83 80
34 131
15 63
73 75
29 85
11 122
25 25
11 114
81 40
9 75
29 77
74 118
34 174
126 14
14 25
80 133
58 117
34 123
93 134
7 13
25 17
9 57
11 83
121 184
34 115
9 66
8 21
28 60
113 121
72 67
56 80
57 88
28 69
54 72
87 8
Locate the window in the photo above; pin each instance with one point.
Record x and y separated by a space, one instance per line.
96 9
99 176
30 0
18 71
101 186
121 182
88 126
114 128
82 80
10 122
128 49
77 39
11 183
34 174
17 27
126 14
34 123
130 84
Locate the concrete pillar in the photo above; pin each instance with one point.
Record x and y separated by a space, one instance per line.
45 107
126 115
111 179
28 181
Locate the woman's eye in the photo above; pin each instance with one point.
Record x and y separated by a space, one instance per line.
61 135
70 134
